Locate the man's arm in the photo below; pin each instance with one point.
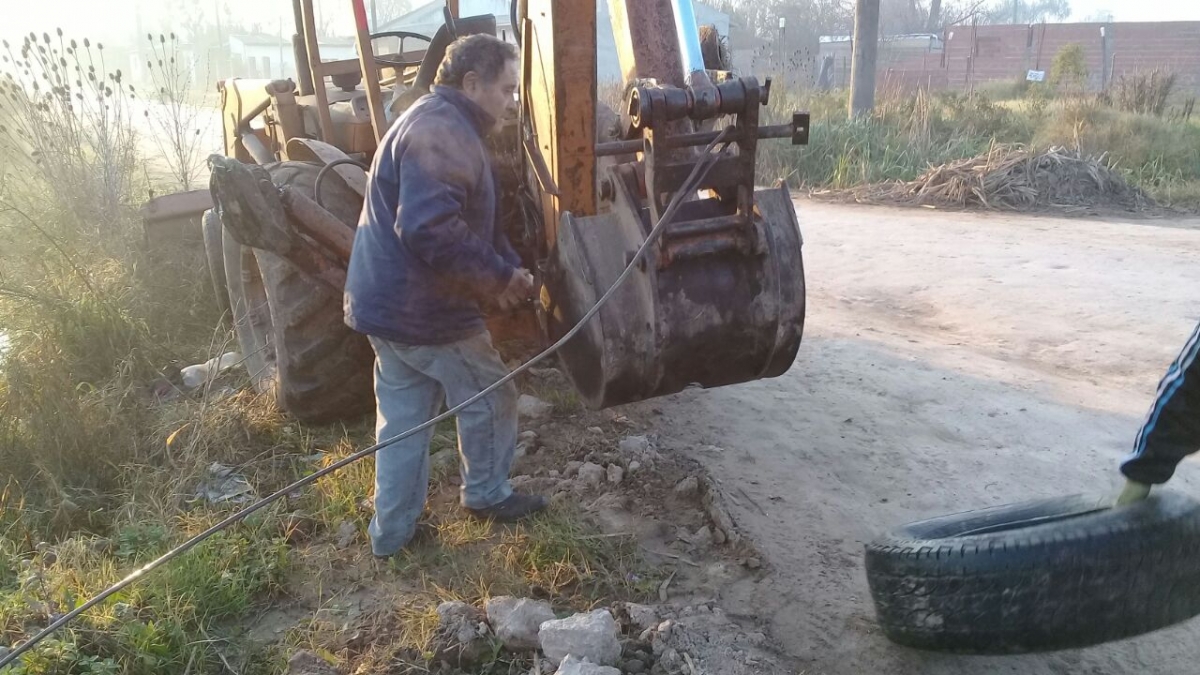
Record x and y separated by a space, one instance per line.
435 177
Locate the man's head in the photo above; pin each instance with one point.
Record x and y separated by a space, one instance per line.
485 69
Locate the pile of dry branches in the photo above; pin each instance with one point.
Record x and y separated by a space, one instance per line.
1016 179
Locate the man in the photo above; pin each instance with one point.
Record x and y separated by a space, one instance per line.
1172 427
428 253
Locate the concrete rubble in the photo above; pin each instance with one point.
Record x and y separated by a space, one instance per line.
640 617
688 487
592 475
615 474
463 636
533 408
516 621
573 665
594 636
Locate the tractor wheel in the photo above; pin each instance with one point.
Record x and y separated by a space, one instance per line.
320 369
215 254
250 312
1039 576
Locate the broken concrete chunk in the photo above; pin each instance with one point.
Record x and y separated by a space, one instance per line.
634 445
462 636
592 474
702 538
615 474
533 408
572 468
641 617
576 666
688 487
593 636
634 466
516 621
720 515
457 609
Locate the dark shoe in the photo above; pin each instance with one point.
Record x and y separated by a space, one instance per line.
516 507
425 532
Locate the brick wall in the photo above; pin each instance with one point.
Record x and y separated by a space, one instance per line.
976 55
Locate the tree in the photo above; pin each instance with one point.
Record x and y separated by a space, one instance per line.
819 17
1069 70
1024 11
386 10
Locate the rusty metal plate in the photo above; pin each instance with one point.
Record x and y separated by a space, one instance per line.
710 321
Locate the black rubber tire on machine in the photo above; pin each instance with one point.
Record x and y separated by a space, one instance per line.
289 326
1039 576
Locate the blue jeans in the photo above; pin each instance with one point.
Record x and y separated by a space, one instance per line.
411 383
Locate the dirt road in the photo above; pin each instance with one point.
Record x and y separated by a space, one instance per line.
951 361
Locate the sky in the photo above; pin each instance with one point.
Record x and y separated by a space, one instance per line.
113 20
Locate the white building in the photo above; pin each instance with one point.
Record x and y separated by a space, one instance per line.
427 18
260 55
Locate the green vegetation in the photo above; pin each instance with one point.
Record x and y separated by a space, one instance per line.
908 134
99 470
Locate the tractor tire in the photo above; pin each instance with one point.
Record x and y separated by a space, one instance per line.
250 313
1039 576
320 369
215 254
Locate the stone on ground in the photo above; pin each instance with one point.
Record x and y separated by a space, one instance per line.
516 621
573 665
533 408
688 487
593 636
462 636
592 474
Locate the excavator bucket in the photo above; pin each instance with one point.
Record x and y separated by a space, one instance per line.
707 321
718 299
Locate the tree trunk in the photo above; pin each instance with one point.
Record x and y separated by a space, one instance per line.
935 16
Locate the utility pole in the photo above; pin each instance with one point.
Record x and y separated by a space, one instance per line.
866 51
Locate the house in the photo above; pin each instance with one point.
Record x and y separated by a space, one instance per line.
427 18
261 55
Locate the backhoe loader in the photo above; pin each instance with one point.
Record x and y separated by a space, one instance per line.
719 300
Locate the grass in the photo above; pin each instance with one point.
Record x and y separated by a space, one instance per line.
909 133
97 476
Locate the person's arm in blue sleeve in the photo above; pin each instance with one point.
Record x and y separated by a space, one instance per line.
434 181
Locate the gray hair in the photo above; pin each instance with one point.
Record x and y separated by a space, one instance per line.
484 55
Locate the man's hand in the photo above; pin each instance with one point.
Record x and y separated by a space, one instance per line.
519 289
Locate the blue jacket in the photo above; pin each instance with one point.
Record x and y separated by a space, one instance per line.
428 248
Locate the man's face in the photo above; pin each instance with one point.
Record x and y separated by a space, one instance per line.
497 97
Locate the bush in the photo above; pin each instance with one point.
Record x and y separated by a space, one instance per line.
908 133
1069 71
66 123
1144 93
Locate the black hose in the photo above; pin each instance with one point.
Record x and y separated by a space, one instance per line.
689 187
515 21
325 170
